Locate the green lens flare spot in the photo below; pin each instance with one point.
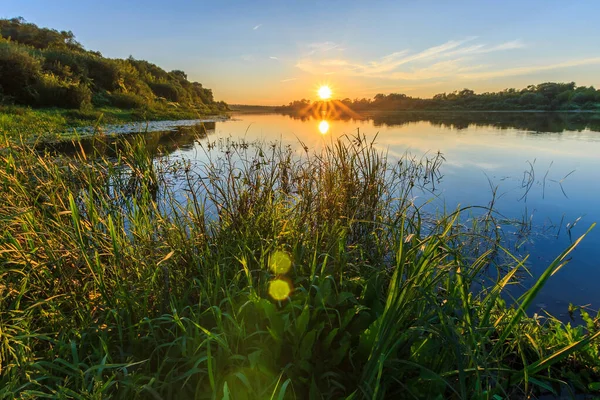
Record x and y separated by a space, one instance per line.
279 289
280 262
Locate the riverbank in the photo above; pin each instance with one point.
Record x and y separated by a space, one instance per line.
276 275
56 124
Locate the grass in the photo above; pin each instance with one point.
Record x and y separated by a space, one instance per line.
263 273
52 124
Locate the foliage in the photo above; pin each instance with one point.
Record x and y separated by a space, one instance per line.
40 67
19 72
27 33
127 100
543 97
117 284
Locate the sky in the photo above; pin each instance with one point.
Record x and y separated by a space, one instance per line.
273 52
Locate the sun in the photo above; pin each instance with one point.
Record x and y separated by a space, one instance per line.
324 92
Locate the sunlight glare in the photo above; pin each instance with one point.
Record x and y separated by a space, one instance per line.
280 262
324 92
323 127
279 289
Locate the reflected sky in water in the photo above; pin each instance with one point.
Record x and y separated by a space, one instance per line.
565 167
549 178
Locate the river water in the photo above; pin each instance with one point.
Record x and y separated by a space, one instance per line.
543 168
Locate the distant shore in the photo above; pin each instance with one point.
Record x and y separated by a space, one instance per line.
251 108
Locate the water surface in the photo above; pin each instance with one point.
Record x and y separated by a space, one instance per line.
543 168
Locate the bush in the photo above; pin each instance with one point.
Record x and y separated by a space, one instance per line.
19 71
78 96
54 92
127 100
101 99
167 90
103 73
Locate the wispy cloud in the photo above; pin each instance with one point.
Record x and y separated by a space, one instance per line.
273 58
455 58
531 69
256 27
321 47
288 80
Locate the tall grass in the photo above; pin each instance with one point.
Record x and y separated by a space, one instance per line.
131 278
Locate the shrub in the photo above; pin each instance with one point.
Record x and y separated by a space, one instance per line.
103 73
78 96
167 90
101 99
54 92
127 100
19 71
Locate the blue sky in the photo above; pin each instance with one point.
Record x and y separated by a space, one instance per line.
271 52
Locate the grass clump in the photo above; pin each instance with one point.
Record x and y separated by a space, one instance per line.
261 274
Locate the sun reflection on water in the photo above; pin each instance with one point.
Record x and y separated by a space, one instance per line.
323 127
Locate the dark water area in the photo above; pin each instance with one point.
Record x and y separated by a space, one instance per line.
160 142
540 170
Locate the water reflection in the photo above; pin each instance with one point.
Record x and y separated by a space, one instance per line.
157 142
323 127
527 121
484 155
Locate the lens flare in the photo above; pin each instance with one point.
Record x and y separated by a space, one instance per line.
280 262
323 127
279 289
324 92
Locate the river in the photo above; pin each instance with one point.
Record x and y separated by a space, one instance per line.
543 168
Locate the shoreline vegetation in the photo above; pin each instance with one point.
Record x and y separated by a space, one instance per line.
49 82
59 125
548 96
265 274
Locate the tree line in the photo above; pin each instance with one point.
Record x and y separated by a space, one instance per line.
547 96
42 67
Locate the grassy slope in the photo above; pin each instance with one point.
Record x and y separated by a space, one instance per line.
114 285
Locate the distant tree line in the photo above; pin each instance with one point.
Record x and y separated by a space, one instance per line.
543 97
43 67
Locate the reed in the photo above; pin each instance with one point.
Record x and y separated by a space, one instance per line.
263 273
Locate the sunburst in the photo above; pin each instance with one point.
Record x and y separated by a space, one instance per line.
324 92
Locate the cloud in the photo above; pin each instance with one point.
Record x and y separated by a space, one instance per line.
273 58
531 69
288 80
451 59
321 47
256 27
